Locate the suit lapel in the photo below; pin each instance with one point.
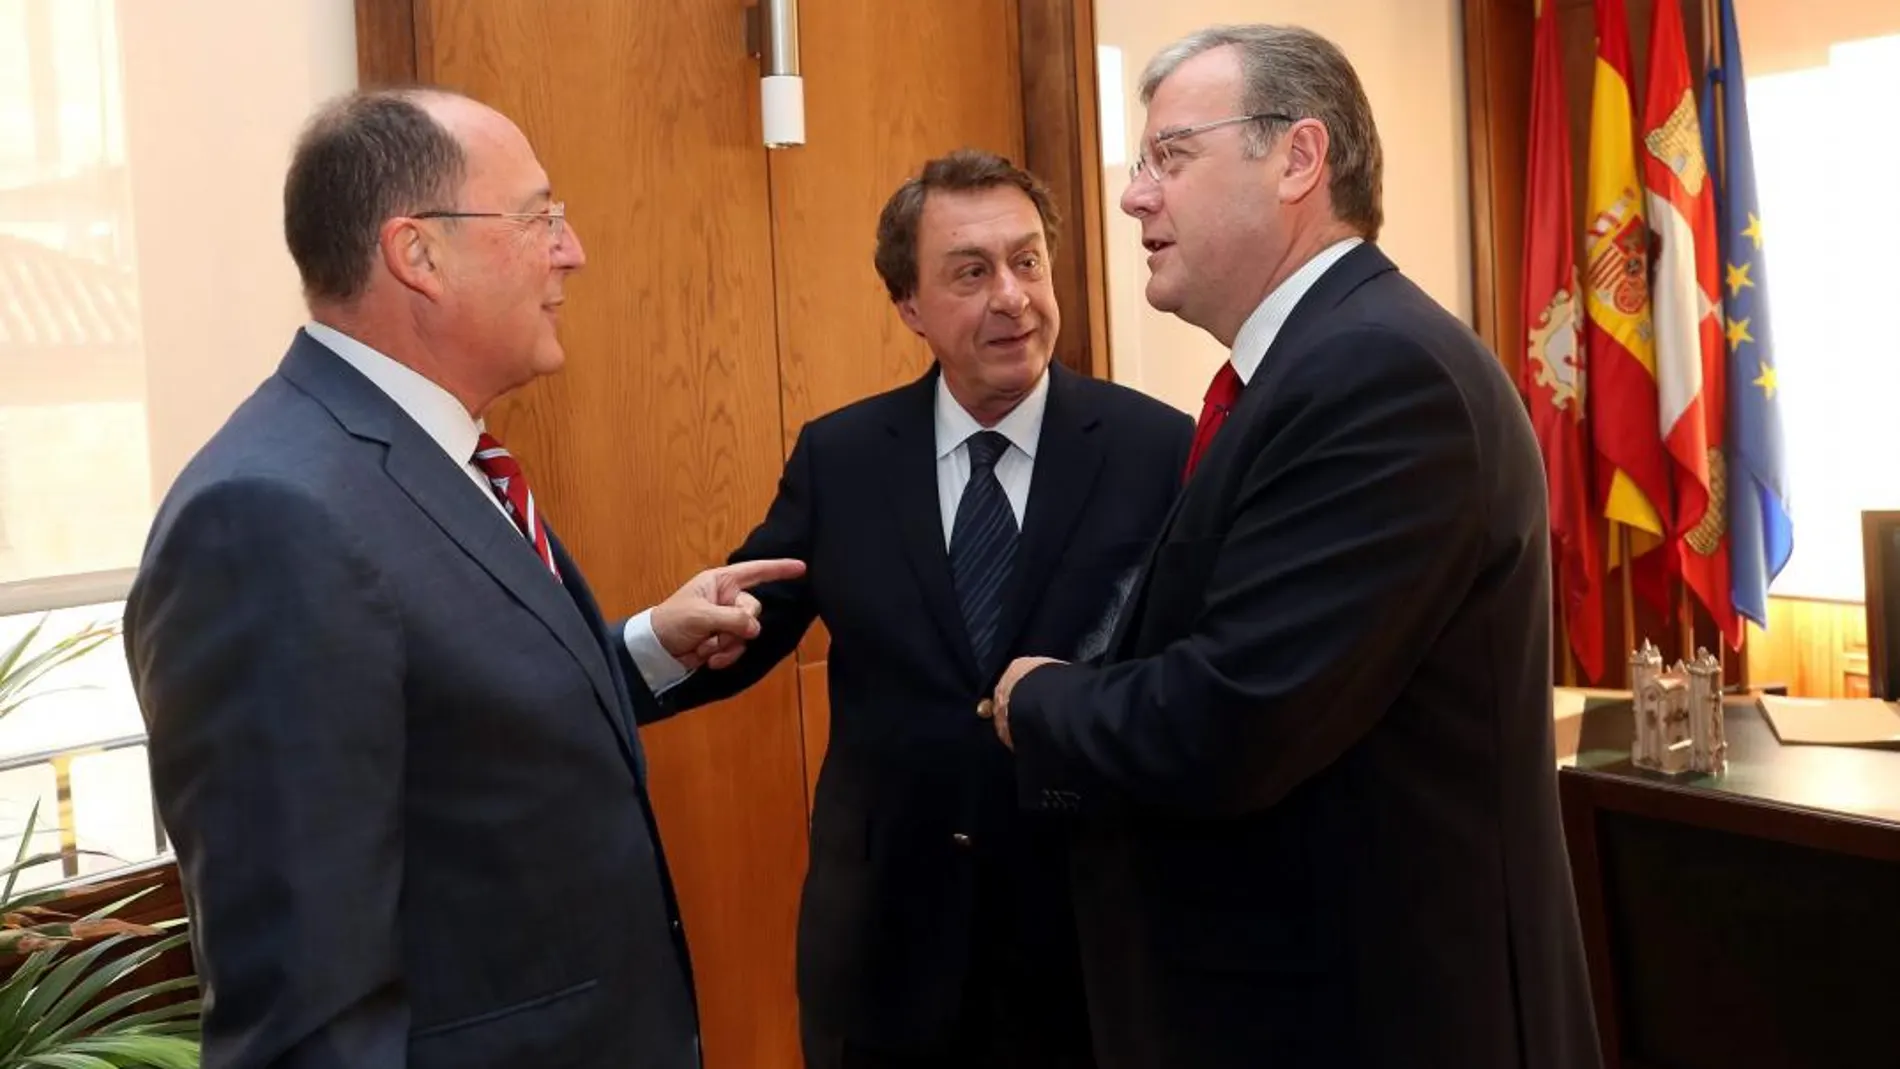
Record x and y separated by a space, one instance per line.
625 699
1353 270
450 498
1124 624
911 475
1068 460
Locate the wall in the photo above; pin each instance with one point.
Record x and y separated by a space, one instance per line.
1409 54
1785 35
1818 648
215 94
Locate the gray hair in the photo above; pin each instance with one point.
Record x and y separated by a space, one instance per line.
1293 70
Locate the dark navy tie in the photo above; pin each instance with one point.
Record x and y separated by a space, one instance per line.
983 544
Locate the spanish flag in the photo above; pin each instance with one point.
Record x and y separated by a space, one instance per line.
1686 288
1632 478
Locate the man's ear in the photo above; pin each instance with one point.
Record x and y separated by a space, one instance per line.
907 311
1306 145
409 254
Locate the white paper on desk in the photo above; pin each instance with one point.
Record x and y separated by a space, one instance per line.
1833 721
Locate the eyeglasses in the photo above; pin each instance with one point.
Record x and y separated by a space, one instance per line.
1155 157
555 216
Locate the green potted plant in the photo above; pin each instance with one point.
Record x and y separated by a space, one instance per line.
69 998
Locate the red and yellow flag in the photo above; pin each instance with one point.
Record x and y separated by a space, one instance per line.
1554 373
1632 476
1686 290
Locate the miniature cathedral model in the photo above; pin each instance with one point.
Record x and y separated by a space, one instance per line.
1678 714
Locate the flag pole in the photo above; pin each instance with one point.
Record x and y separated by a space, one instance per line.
1686 619
1629 594
1566 664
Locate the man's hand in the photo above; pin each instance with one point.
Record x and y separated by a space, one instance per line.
999 708
710 619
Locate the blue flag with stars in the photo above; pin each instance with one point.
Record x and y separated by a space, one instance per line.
1761 531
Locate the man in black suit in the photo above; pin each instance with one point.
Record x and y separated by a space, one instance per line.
391 735
1314 776
985 511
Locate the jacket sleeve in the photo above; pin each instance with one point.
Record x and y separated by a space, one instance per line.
268 663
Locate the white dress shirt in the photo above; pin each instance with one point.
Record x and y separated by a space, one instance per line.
1257 333
1023 428
955 425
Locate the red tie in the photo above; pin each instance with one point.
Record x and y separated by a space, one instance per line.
504 475
1221 394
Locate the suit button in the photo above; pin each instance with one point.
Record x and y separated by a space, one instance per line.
961 840
984 709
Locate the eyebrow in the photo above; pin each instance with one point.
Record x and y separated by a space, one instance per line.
545 193
1018 245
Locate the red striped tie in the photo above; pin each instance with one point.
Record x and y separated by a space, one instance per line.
504 475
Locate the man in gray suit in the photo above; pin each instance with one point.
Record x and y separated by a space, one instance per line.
391 735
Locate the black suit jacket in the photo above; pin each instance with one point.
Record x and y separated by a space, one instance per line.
916 794
1315 778
397 758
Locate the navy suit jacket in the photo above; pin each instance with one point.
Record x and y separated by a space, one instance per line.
397 758
1314 777
916 799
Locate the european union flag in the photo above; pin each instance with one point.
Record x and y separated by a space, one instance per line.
1761 532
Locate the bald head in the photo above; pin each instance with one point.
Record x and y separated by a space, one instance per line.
364 158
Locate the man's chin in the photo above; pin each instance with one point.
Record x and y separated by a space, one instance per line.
549 359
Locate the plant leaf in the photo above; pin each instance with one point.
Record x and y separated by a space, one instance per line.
60 1059
143 1022
13 995
56 983
109 1017
88 990
17 676
26 840
154 1052
14 652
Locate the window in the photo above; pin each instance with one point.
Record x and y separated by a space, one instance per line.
1824 178
144 291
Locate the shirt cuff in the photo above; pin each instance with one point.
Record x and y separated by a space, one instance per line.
657 667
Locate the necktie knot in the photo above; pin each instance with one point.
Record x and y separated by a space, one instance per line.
1225 389
1219 400
986 448
493 460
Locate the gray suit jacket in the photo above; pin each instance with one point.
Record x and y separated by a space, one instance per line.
398 759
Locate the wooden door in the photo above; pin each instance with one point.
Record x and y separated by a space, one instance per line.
887 86
658 447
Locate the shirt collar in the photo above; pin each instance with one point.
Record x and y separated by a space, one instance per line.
1257 333
1023 425
433 408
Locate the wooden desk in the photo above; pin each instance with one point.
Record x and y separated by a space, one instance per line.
1748 921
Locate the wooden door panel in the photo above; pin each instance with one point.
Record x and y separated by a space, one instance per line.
657 448
892 85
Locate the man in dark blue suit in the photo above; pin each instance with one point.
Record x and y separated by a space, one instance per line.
985 511
1314 777
392 737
